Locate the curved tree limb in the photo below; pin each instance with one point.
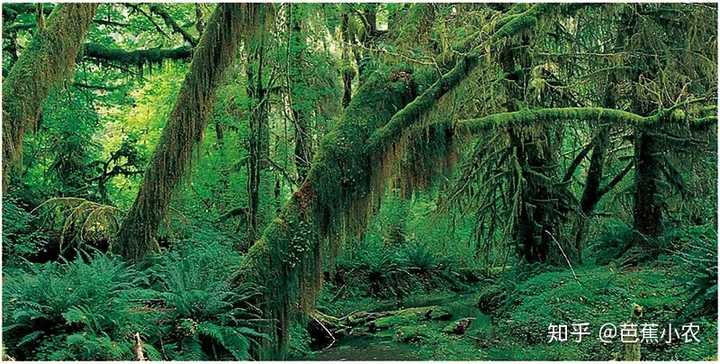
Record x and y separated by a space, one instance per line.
339 192
186 125
509 25
619 177
576 162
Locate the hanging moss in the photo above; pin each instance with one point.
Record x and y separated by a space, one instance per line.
422 153
344 188
185 127
49 58
335 200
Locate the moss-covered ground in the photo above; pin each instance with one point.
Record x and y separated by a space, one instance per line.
510 318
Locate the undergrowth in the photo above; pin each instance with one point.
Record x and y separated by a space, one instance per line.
93 307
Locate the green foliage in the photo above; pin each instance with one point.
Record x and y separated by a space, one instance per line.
613 242
299 346
20 235
490 86
600 295
90 308
695 254
52 309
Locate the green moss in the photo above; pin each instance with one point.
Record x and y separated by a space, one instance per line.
414 334
334 201
48 59
603 296
573 114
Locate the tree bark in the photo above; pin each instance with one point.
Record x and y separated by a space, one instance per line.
348 73
535 226
647 210
49 58
258 140
185 127
591 192
300 110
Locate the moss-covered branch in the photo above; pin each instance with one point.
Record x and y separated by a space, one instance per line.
511 24
341 190
137 57
553 115
336 198
49 58
186 125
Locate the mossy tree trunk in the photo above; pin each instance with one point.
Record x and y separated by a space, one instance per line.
49 59
286 260
185 128
647 210
348 73
344 185
535 226
259 135
591 192
297 89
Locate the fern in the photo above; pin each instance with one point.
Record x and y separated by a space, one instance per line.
91 308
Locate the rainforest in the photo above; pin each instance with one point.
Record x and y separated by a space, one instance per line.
359 181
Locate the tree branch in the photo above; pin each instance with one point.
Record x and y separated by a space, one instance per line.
170 22
530 116
616 179
576 162
137 57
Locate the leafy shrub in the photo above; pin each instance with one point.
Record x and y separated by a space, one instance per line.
211 321
299 344
384 273
418 257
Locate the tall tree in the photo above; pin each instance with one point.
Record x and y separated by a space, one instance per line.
184 130
259 132
298 89
49 58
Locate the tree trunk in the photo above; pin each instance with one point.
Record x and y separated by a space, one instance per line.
186 125
367 38
591 192
258 140
341 189
49 58
298 85
535 230
647 211
286 259
348 73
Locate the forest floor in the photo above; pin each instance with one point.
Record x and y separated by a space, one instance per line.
498 319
